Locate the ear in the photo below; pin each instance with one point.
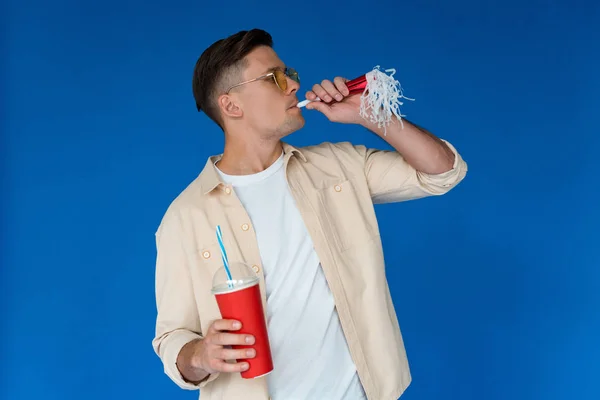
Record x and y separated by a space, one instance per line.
229 106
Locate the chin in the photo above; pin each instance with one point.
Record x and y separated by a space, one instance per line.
291 125
298 124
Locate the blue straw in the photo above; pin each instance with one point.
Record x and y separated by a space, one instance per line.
224 254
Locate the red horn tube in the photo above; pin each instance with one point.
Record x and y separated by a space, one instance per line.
357 85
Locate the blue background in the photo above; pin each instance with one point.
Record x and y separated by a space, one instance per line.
496 284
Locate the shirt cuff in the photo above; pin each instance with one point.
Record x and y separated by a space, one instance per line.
441 183
172 346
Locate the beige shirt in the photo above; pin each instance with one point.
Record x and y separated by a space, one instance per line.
335 186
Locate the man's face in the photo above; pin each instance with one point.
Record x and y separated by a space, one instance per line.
268 111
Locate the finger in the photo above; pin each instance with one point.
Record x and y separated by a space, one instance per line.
322 93
311 95
240 354
222 366
224 325
340 84
332 90
230 339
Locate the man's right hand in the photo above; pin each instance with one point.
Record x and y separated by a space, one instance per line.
201 357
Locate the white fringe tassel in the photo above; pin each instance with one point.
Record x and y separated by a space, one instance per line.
382 98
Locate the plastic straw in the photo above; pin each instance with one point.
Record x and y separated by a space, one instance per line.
303 103
224 255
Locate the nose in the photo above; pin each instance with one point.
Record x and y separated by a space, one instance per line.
292 86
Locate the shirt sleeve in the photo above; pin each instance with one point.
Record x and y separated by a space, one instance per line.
177 321
391 179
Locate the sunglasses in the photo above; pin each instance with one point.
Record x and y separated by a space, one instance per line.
278 75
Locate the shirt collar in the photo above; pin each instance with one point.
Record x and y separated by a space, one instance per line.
209 177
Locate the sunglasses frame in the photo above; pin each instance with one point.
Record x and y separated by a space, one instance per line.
287 72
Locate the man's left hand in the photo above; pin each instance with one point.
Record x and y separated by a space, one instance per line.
336 102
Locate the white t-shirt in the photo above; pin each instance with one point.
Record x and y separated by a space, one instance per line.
310 355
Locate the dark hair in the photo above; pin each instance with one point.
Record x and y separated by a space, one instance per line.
221 66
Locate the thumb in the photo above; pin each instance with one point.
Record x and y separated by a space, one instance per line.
319 106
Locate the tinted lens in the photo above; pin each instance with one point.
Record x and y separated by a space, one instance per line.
281 79
291 72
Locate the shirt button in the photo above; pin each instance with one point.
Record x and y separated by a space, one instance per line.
256 268
228 190
338 188
206 254
245 227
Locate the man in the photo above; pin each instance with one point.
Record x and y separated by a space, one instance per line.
303 218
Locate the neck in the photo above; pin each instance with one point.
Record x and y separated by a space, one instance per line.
248 157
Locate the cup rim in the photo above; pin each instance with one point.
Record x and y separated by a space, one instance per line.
224 289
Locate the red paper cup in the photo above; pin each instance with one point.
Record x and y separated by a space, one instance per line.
239 299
